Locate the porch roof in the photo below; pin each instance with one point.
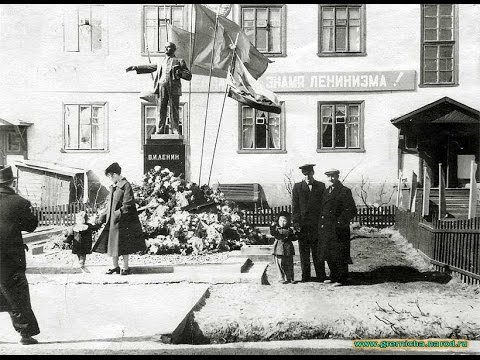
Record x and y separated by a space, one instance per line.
51 167
14 122
442 111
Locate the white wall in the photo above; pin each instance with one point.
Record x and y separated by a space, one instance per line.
38 76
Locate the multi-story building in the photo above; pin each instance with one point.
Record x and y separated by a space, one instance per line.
370 89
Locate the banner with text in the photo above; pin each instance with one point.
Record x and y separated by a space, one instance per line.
402 80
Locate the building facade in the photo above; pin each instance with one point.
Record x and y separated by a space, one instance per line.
348 78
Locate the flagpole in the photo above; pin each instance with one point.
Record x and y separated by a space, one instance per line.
223 105
165 14
190 56
208 93
148 51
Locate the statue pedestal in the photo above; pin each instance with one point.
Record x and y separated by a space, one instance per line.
166 137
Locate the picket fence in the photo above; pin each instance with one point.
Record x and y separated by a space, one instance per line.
61 214
380 217
450 245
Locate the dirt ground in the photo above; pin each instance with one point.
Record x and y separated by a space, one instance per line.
394 293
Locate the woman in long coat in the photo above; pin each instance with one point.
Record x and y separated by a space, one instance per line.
15 217
122 234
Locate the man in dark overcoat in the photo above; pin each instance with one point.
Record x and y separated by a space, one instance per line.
15 216
338 208
306 202
122 234
167 86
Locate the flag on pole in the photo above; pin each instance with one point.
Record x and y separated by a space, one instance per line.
413 192
442 205
181 38
426 193
472 201
246 90
226 32
399 190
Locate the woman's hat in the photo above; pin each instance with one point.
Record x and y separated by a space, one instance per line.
6 174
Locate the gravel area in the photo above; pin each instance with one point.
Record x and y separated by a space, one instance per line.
394 294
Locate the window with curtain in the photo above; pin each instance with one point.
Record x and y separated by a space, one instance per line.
265 27
151 118
83 30
439 53
261 130
341 30
340 126
155 18
84 127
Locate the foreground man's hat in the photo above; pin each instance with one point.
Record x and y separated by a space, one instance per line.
307 167
332 171
6 174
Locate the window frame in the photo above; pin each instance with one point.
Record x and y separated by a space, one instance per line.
143 34
283 25
281 150
363 32
75 9
361 140
104 104
184 120
8 151
453 42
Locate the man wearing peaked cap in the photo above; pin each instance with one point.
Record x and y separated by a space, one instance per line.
338 208
307 167
332 171
306 201
15 217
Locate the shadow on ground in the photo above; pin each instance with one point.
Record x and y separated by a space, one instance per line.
401 274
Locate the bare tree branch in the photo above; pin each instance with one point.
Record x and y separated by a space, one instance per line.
289 182
393 308
381 308
363 195
418 306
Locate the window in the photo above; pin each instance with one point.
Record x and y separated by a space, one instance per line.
14 142
261 130
340 126
83 31
341 30
439 45
151 118
265 27
155 28
410 142
84 127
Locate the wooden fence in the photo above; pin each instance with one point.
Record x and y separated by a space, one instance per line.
450 245
264 217
60 214
380 217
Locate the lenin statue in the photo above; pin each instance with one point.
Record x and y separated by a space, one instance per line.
167 85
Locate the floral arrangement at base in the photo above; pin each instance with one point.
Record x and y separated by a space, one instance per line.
178 216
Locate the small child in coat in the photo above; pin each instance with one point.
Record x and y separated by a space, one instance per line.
80 236
283 250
